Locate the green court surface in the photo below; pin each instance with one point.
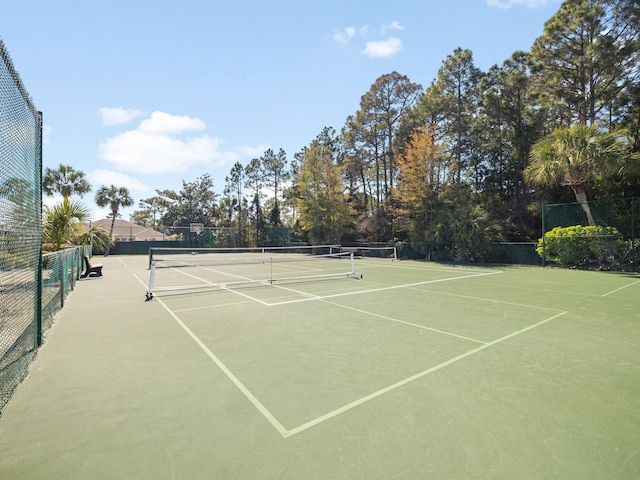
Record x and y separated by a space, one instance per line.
414 371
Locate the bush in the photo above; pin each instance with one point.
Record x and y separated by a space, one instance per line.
579 246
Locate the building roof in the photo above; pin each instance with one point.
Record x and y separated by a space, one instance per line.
124 230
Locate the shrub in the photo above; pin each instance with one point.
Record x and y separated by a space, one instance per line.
579 246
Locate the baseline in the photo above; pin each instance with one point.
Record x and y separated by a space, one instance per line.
618 289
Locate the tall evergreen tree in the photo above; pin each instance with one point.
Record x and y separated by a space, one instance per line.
276 174
254 180
384 104
452 101
585 58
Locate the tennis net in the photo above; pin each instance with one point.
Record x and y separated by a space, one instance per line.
388 252
179 253
197 270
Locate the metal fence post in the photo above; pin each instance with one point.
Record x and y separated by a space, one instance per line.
544 249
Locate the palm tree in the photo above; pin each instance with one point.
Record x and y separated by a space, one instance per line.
65 180
95 236
114 197
576 155
63 222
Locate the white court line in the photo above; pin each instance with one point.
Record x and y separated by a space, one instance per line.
412 378
144 284
247 393
288 433
422 267
373 290
483 299
618 289
207 307
391 319
237 292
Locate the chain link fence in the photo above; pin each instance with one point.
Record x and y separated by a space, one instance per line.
20 227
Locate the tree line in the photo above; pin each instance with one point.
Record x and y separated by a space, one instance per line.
469 158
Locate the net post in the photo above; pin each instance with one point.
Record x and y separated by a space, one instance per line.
633 235
38 303
152 276
353 264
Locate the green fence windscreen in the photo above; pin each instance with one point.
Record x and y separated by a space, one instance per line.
20 226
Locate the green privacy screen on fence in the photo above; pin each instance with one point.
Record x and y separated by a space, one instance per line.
20 227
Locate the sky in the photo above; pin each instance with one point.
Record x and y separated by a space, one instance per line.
150 94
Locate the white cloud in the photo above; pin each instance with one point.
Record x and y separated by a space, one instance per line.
394 25
345 35
162 144
117 116
373 48
162 123
504 4
143 152
100 177
383 48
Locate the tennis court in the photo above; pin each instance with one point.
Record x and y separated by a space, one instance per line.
390 370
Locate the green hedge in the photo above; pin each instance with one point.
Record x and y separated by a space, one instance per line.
580 246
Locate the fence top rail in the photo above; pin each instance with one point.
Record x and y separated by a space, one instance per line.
61 252
618 199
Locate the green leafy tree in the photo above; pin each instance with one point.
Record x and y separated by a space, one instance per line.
325 213
150 210
196 202
464 223
65 181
